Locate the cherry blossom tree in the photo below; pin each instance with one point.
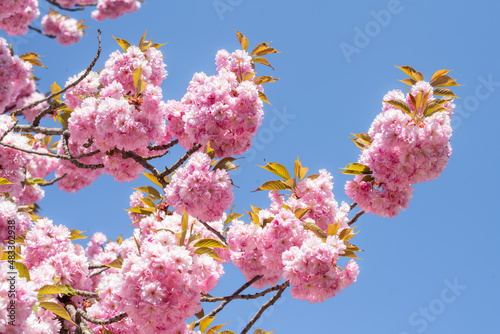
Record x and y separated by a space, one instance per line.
115 121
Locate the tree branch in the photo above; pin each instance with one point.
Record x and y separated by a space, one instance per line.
101 322
38 117
214 231
82 326
87 294
265 306
51 182
225 302
41 32
72 9
39 129
164 147
247 297
355 218
186 156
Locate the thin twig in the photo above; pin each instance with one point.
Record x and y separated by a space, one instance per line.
99 272
87 294
225 302
142 161
265 306
186 156
82 326
247 297
71 9
164 147
101 322
353 205
355 218
41 32
97 266
51 182
48 154
151 157
36 121
8 130
40 129
214 231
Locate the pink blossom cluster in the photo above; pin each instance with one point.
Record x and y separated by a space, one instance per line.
268 248
65 29
14 166
283 248
402 153
312 270
12 222
14 76
203 193
257 250
112 120
16 15
24 299
40 165
159 287
219 109
75 179
49 250
111 9
315 193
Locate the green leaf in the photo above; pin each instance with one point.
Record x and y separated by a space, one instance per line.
4 181
56 309
263 49
243 40
138 245
301 212
32 58
444 92
434 106
264 79
438 74
277 169
400 105
117 263
272 185
54 88
226 163
316 230
333 228
184 225
227 332
143 44
408 81
300 172
444 81
205 250
152 192
122 43
262 61
261 331
356 168
263 97
141 210
204 323
349 254
148 202
232 216
153 178
56 289
23 270
214 329
411 72
75 235
209 242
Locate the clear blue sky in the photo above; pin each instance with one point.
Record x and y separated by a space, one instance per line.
448 237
